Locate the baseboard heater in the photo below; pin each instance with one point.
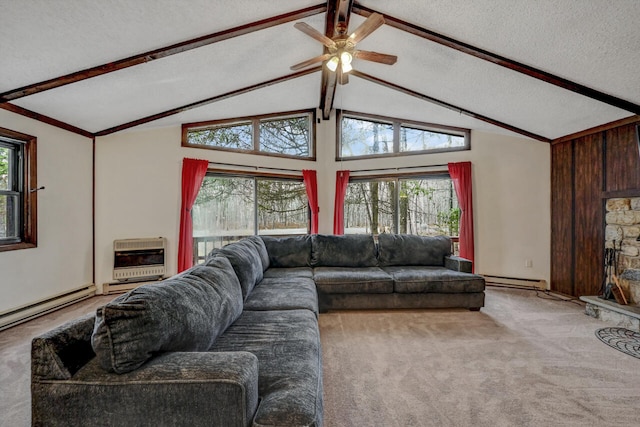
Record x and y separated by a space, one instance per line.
27 312
514 282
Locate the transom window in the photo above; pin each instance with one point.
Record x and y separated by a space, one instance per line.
284 134
229 208
374 136
17 202
422 205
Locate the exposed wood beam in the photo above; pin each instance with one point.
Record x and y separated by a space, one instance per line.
161 53
207 101
45 119
338 15
448 105
597 129
501 60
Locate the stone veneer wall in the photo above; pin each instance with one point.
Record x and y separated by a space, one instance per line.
622 231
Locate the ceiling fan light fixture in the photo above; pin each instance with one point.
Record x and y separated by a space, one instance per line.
346 67
346 58
332 64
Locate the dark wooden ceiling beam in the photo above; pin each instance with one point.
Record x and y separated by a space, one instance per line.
45 119
501 60
161 53
447 105
207 101
338 14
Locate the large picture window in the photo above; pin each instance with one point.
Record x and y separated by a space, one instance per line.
283 134
425 205
229 208
374 136
17 203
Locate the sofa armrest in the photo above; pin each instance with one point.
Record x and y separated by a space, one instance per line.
179 388
457 263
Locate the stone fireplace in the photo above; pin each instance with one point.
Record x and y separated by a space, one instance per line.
622 244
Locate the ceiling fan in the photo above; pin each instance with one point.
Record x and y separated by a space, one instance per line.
342 49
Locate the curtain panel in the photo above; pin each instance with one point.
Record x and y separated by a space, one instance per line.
311 185
461 176
193 172
342 180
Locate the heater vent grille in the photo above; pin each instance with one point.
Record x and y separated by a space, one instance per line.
139 259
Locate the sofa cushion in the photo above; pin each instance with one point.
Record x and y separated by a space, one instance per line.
284 273
340 280
292 251
352 250
433 279
246 262
293 293
262 250
184 313
287 345
407 249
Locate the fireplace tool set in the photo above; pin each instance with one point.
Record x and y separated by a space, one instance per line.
611 289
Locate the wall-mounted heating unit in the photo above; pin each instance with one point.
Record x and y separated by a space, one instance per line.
139 259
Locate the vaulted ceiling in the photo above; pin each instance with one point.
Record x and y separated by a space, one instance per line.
541 69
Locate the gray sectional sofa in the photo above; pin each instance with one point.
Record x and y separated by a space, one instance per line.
235 341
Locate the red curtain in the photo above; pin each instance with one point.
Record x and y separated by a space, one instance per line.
461 176
193 172
311 184
342 179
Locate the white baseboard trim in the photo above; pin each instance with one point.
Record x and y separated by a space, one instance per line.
27 312
515 282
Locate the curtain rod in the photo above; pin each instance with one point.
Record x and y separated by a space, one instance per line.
400 168
255 167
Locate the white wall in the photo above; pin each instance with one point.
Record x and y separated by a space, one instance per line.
63 259
138 193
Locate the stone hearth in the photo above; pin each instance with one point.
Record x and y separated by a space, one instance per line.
622 233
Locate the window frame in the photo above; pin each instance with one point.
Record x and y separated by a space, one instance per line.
256 176
397 123
255 123
397 177
27 189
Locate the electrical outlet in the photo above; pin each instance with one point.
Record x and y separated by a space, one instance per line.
528 263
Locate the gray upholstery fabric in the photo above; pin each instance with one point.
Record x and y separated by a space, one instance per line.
246 262
352 280
457 263
472 301
406 249
293 293
262 250
433 279
287 344
59 353
352 250
288 251
172 389
184 313
274 273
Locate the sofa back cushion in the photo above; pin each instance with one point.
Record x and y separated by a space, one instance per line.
246 262
288 251
407 249
184 313
262 250
352 250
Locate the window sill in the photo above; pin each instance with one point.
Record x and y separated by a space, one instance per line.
17 246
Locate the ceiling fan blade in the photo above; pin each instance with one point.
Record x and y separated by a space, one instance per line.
382 58
373 22
310 31
311 61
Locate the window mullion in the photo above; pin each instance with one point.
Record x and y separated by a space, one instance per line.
396 137
256 134
255 206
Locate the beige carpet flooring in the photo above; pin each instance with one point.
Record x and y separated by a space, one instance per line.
521 361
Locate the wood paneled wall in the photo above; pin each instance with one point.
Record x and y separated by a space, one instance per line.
585 171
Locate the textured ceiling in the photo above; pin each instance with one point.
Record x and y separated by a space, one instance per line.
591 42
